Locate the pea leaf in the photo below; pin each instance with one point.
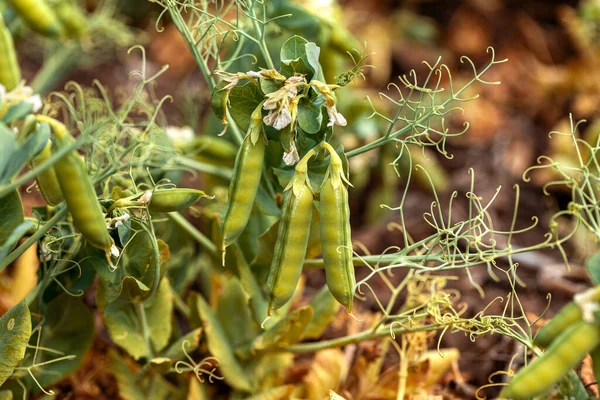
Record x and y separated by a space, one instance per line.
69 328
11 210
286 332
17 111
124 325
279 392
219 347
325 307
234 301
131 387
175 351
243 100
219 100
299 56
310 117
15 331
593 267
14 237
15 155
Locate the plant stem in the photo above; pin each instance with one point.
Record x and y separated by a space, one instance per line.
221 172
21 180
141 314
193 232
60 214
56 68
359 337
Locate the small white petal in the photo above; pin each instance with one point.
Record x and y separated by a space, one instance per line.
177 134
146 197
291 157
35 101
254 74
284 119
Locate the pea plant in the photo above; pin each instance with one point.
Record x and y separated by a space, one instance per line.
214 306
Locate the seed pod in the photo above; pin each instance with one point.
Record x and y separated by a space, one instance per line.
39 16
169 200
290 248
335 233
47 181
10 73
242 190
567 316
78 191
72 18
564 353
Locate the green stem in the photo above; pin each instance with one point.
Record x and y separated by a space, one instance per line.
221 172
193 232
60 214
261 42
23 179
59 65
359 337
141 314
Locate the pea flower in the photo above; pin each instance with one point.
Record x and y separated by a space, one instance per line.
281 104
335 118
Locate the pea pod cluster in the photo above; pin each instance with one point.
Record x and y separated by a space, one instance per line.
78 191
569 336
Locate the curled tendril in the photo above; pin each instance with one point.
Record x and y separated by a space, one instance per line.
206 367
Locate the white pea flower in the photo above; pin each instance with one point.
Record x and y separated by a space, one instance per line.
291 157
146 197
335 118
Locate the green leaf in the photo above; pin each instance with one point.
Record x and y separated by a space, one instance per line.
6 395
243 100
593 267
299 56
219 347
235 301
17 112
270 85
124 325
264 254
280 392
286 332
175 351
14 237
129 388
219 101
69 328
11 215
270 369
325 307
15 331
17 155
310 117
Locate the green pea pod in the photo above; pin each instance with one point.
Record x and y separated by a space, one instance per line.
10 73
215 148
567 316
242 190
565 352
335 232
290 248
170 200
39 16
47 181
72 18
78 191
